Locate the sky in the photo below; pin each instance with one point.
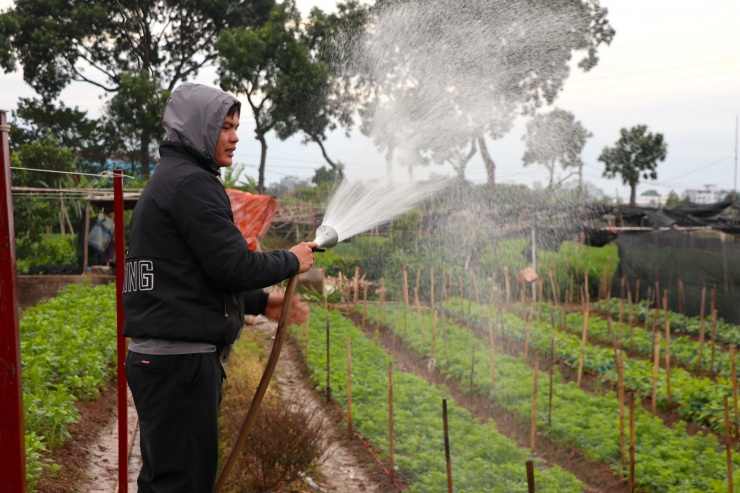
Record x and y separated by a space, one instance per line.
674 65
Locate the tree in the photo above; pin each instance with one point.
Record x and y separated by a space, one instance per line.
446 76
32 215
553 138
259 63
59 42
35 119
672 200
635 156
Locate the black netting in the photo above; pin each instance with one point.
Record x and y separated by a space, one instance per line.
700 259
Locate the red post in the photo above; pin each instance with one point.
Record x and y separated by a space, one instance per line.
13 451
121 346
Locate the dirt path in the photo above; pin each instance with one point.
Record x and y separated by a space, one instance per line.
347 468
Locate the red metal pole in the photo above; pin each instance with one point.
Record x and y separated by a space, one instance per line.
121 346
13 450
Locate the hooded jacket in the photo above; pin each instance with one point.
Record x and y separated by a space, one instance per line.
188 264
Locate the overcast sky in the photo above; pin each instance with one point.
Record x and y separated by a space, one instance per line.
674 65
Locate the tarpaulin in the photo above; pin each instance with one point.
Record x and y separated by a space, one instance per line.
253 215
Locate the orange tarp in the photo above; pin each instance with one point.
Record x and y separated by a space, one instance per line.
253 215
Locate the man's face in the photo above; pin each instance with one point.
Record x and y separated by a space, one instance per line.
226 144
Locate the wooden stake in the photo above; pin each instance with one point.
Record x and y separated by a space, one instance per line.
533 424
552 367
714 338
734 387
382 304
527 332
364 303
702 323
668 360
447 446
405 287
434 335
431 287
632 442
584 336
421 319
349 386
656 366
328 363
472 368
492 342
620 395
390 422
530 476
728 446
357 284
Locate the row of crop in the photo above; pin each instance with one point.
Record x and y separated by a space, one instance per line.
68 345
683 348
643 311
667 459
697 399
482 459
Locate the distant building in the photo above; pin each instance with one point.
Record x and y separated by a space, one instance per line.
650 198
709 195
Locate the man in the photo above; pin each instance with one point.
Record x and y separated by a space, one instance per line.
187 269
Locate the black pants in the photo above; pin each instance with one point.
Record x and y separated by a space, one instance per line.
177 399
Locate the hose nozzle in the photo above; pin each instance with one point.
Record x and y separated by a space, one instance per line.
326 236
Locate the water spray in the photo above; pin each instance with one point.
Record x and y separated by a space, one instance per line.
354 208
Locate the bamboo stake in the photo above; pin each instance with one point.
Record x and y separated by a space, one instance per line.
421 319
632 442
405 288
699 362
656 366
328 363
533 424
620 320
492 342
390 422
472 368
357 284
668 360
552 367
728 446
364 303
714 338
447 446
434 342
620 395
610 323
527 332
734 387
530 476
584 336
431 287
349 386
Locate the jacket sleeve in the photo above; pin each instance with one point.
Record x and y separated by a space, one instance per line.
255 302
202 212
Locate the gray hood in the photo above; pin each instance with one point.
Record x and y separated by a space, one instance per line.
194 116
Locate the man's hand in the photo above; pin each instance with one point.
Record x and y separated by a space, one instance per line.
274 308
304 252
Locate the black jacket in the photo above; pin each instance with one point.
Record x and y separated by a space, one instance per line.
188 264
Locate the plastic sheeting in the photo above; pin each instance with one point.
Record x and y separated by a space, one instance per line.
253 215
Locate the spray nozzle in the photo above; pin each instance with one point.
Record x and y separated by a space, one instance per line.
326 237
